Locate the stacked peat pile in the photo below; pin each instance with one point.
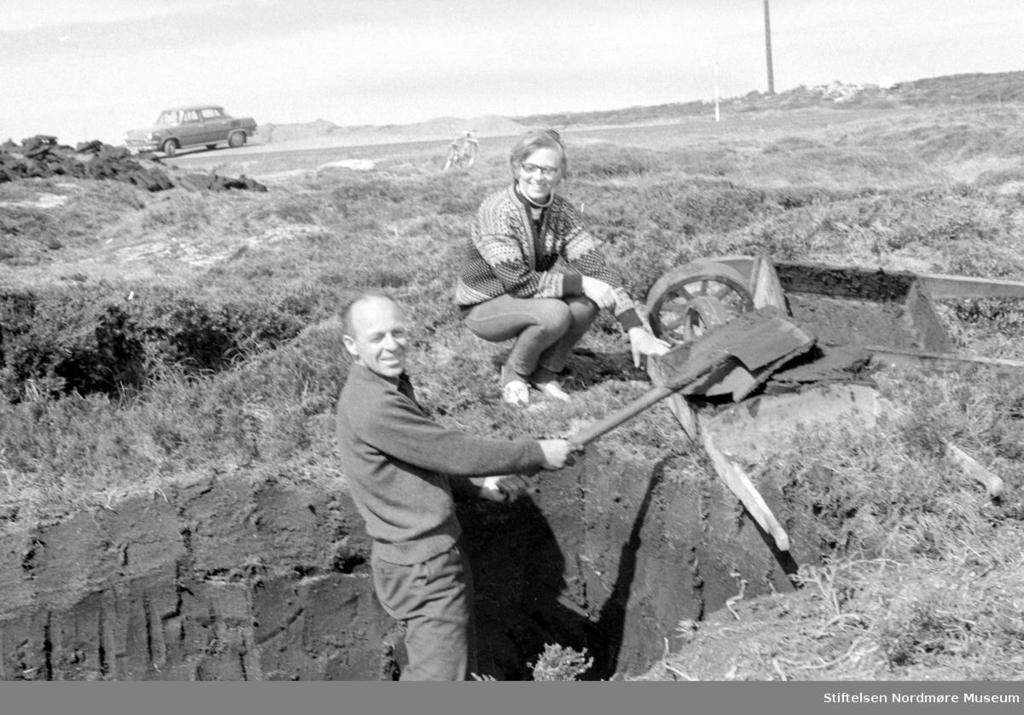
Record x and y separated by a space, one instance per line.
42 156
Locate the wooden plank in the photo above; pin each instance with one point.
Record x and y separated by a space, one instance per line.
725 467
974 469
685 414
756 426
941 285
913 358
740 485
764 284
929 329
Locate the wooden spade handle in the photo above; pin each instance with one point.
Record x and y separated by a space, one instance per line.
616 418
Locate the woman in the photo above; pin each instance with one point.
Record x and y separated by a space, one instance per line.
533 273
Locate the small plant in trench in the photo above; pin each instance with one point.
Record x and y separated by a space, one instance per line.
562 663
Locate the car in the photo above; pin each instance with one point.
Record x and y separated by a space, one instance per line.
190 126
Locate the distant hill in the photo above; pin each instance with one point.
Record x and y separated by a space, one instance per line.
433 129
952 89
964 89
292 132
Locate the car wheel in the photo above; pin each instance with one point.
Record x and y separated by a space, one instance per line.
236 140
170 147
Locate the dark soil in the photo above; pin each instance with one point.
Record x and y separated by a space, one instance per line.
850 306
836 321
227 579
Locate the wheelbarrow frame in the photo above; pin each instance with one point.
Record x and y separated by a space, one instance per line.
927 344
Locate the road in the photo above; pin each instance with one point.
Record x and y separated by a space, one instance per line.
258 160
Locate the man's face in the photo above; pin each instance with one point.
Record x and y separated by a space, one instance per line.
378 337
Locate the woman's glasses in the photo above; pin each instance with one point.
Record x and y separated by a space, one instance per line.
547 171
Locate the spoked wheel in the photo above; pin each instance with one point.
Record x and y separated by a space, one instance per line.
688 301
701 315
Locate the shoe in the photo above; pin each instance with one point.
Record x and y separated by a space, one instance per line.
516 392
552 389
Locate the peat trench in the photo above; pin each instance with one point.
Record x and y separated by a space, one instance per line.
230 578
225 579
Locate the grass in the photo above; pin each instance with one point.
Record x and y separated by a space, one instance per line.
148 338
865 620
921 577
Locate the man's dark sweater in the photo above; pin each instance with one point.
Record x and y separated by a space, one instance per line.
397 462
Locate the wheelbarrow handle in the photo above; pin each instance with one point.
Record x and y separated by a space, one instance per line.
614 419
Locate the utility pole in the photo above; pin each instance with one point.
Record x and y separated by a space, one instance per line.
768 48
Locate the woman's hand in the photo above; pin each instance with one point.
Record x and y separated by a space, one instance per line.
643 342
599 292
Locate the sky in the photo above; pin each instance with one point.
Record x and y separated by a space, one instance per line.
92 69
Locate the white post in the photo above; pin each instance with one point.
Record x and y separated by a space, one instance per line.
718 115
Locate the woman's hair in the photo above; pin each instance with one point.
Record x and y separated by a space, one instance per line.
536 139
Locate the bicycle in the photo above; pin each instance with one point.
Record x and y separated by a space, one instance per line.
461 153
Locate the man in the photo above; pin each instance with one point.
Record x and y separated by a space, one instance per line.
401 467
470 144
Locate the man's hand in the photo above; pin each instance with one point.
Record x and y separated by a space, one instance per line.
504 488
643 342
599 292
557 453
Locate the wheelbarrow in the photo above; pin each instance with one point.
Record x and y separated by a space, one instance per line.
741 323
860 318
890 315
737 356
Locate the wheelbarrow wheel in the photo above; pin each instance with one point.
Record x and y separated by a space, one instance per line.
670 298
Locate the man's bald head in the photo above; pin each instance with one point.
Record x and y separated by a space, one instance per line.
358 303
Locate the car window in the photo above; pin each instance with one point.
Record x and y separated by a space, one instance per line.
211 113
189 115
167 119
